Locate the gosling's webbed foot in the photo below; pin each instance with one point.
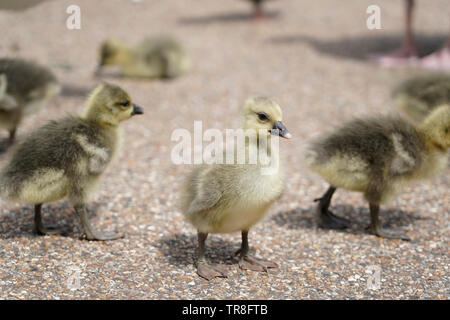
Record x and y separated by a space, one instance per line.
326 218
98 236
251 263
390 233
329 220
209 272
48 230
89 231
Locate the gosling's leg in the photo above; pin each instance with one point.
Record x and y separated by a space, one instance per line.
204 269
12 136
91 233
327 219
378 230
39 226
248 262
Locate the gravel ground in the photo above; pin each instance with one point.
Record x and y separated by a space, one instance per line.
310 59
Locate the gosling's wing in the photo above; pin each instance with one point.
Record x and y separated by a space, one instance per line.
8 103
404 160
98 156
206 190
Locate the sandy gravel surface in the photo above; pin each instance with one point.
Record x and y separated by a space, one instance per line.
310 59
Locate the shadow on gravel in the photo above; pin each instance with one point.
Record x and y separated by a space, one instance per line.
231 17
20 223
361 47
181 249
305 218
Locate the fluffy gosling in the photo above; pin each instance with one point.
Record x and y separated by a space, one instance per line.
419 95
158 57
24 88
66 157
225 198
377 156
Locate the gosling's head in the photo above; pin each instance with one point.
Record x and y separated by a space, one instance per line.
261 113
109 105
111 53
437 126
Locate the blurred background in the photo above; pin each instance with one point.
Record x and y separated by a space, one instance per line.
309 56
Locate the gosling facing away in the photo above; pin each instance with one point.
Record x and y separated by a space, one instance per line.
377 156
157 57
66 157
225 198
419 95
24 88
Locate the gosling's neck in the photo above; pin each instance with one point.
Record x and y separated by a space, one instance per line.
431 143
93 115
262 147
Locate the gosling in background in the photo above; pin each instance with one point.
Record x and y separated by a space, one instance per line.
66 157
419 95
225 198
377 156
24 88
158 57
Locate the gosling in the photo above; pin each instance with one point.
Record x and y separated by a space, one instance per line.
225 198
158 57
24 88
66 157
419 95
377 156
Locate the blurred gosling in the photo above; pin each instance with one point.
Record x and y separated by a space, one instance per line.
67 157
24 88
158 57
225 198
377 156
419 95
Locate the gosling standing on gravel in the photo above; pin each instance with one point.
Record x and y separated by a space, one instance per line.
24 88
158 57
377 156
225 198
66 158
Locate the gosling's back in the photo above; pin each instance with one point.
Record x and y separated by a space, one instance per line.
54 154
419 95
165 54
25 77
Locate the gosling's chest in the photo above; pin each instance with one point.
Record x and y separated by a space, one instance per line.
259 187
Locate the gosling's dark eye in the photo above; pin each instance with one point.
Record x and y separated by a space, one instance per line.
262 116
446 130
125 103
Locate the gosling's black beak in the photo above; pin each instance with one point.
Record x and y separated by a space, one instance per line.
137 110
280 130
